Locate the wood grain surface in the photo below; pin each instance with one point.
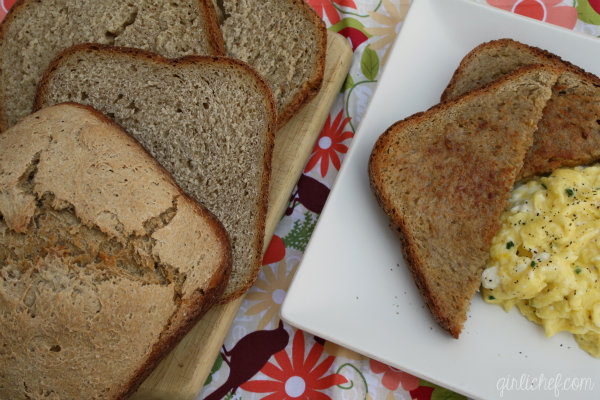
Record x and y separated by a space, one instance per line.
181 375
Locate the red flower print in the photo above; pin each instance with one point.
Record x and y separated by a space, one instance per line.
421 393
355 36
392 377
275 252
326 7
5 5
329 144
544 10
298 378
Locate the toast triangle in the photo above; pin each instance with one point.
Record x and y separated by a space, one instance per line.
443 177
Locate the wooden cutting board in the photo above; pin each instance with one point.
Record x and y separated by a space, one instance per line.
181 375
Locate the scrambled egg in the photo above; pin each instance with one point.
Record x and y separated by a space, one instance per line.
545 259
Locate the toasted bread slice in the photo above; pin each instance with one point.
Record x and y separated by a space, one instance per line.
443 178
209 121
35 31
569 131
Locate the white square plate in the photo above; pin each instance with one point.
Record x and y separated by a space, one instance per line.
353 288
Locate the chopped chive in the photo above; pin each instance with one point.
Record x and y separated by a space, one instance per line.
544 185
533 264
491 298
510 244
577 270
570 192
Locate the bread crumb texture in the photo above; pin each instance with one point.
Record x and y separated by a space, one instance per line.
88 278
37 31
208 122
282 39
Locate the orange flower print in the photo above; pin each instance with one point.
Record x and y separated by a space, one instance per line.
5 5
326 7
392 377
330 144
544 10
296 378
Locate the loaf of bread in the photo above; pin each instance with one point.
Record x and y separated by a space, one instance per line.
208 121
443 178
569 131
106 263
285 41
35 31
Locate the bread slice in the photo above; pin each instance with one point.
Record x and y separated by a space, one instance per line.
569 131
285 41
443 178
105 262
35 31
208 121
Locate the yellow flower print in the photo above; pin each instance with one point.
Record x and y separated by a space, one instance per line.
391 23
269 291
339 351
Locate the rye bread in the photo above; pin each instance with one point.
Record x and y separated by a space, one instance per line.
443 177
285 41
209 121
569 131
35 31
106 263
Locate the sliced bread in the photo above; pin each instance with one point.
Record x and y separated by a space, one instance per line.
443 178
35 31
209 121
569 131
285 41
105 262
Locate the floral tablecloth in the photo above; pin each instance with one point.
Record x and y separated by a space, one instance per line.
309 367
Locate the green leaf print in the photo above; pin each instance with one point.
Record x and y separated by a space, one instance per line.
349 23
301 232
230 396
215 368
586 12
351 382
369 63
440 393
348 83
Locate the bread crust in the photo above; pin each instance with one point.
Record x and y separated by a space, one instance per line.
313 85
193 306
187 320
451 323
214 29
268 153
